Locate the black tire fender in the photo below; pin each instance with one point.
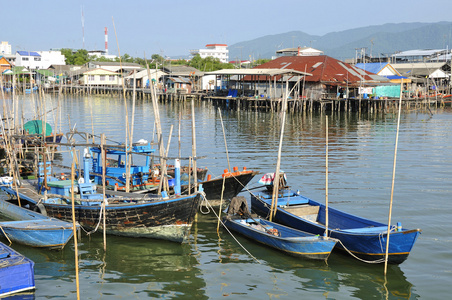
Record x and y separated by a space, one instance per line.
40 208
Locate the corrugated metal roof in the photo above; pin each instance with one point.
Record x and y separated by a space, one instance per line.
256 71
323 68
419 69
419 52
116 64
182 70
144 73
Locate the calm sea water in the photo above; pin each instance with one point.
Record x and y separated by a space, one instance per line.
213 265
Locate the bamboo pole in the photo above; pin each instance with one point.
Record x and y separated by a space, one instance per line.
278 162
157 121
134 97
179 141
126 114
326 178
164 168
92 121
193 145
225 143
12 161
104 198
74 226
221 204
393 179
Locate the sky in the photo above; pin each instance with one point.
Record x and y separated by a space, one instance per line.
173 28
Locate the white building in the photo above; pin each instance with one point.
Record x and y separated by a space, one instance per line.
299 51
219 51
101 53
5 48
101 77
34 60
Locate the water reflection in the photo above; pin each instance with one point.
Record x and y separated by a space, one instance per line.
361 149
341 277
167 268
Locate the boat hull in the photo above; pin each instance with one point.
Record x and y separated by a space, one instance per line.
168 219
33 229
16 272
364 239
40 233
233 185
290 241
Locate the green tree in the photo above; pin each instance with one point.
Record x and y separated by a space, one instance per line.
260 62
68 56
208 64
80 57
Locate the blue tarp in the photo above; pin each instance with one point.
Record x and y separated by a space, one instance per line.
372 67
392 91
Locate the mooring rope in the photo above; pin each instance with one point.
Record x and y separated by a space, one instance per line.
227 229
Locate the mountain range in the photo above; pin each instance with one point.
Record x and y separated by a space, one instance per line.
377 41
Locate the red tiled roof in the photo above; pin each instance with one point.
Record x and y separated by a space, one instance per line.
323 68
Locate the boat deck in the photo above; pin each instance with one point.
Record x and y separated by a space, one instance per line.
28 190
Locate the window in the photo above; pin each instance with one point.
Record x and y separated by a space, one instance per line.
102 77
112 77
24 58
37 59
91 77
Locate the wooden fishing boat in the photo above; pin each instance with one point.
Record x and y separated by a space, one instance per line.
16 272
144 175
364 238
127 214
226 187
288 240
33 229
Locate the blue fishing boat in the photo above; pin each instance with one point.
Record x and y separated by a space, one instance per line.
31 228
16 272
363 238
288 240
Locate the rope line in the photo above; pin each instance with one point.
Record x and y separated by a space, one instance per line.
227 229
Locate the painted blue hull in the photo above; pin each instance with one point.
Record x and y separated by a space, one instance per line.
34 229
287 240
364 238
49 233
16 272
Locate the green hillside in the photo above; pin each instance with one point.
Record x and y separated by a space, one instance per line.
380 41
